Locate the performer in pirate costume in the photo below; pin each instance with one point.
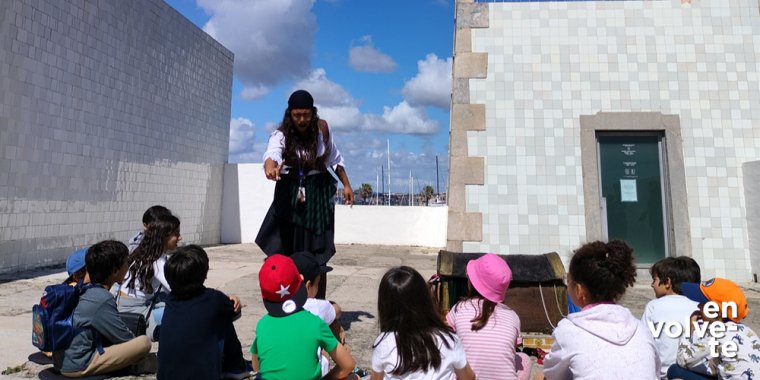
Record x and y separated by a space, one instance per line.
306 164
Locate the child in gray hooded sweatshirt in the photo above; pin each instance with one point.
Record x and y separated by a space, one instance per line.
603 340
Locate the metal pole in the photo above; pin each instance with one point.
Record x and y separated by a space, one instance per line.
389 172
382 176
410 188
437 188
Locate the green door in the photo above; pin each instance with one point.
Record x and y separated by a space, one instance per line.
632 193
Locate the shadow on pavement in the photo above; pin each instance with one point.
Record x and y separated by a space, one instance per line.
349 317
29 274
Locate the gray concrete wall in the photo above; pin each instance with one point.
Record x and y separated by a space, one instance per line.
106 108
751 172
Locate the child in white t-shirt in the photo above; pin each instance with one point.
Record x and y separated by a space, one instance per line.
670 306
414 341
328 311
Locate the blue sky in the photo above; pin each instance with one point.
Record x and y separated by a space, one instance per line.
378 70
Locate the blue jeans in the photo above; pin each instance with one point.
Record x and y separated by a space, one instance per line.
677 372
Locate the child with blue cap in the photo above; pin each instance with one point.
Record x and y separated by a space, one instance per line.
76 268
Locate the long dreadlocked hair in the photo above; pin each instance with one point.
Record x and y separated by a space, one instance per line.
306 144
150 249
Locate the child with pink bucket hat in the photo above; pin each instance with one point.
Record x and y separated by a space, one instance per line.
488 329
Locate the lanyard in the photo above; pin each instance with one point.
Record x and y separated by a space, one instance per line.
301 188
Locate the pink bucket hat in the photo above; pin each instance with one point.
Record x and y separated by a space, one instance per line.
490 276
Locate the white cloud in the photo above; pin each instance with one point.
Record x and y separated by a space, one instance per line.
402 118
367 58
344 118
270 126
254 154
253 92
432 84
341 110
242 134
272 40
325 92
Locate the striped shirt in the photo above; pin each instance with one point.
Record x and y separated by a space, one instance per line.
490 350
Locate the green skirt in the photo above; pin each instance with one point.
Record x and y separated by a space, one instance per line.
293 226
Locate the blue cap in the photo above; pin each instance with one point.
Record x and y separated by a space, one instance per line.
75 261
693 291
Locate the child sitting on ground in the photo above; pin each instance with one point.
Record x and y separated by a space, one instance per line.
199 318
76 268
310 270
151 215
670 306
414 341
488 329
692 269
104 344
77 271
603 340
287 338
694 358
145 287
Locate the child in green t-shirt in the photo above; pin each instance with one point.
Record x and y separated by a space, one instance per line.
287 337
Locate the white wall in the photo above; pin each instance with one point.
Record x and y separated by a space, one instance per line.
246 199
551 62
391 225
106 108
248 195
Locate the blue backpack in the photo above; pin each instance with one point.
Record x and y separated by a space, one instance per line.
52 325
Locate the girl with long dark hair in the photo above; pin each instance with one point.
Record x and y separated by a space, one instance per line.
145 278
414 341
302 157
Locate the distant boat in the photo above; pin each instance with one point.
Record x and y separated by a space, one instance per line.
436 203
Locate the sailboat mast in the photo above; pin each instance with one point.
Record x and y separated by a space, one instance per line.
437 188
389 172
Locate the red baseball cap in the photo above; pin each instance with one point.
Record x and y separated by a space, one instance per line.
281 286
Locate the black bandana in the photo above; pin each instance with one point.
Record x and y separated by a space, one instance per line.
300 99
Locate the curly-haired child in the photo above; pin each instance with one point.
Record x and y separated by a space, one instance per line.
603 340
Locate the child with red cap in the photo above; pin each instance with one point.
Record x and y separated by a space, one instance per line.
733 352
287 337
488 329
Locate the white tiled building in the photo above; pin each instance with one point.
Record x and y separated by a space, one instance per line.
579 120
106 108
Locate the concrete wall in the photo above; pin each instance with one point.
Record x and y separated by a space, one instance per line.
248 195
525 72
391 225
751 172
106 108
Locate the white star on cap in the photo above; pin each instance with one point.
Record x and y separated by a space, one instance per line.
283 291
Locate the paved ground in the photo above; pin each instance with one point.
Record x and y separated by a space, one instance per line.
352 284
